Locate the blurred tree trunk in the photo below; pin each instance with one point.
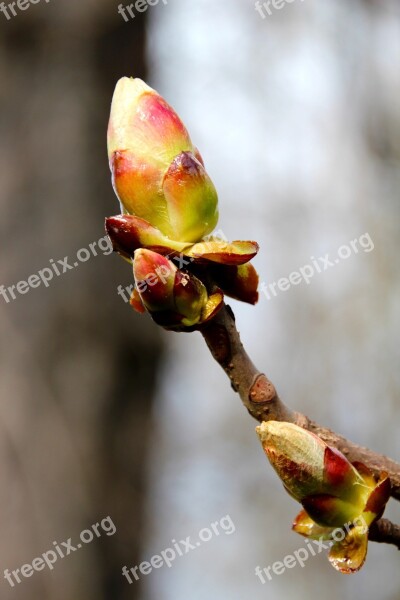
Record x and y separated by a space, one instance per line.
78 367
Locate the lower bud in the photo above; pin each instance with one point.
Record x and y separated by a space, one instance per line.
175 299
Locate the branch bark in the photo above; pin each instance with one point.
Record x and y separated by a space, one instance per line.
261 399
385 531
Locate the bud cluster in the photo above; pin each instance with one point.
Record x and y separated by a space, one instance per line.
332 491
169 205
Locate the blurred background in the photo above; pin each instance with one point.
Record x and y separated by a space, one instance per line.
297 116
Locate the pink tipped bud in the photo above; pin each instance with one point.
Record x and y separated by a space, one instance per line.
175 299
157 172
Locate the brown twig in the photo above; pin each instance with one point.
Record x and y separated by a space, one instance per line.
385 531
260 398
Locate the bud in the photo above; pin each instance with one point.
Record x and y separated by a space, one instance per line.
175 299
333 492
154 278
158 174
313 473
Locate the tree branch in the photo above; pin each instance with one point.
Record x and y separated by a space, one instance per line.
259 396
385 531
